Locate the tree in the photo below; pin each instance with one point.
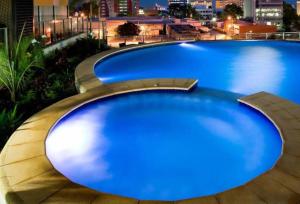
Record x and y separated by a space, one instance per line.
183 11
290 18
128 29
232 10
84 6
17 63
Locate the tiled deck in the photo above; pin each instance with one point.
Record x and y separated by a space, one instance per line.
27 176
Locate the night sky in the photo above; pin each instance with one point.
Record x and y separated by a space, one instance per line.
150 3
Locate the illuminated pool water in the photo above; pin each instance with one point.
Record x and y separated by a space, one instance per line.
162 145
243 67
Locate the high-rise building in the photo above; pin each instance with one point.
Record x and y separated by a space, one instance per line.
14 14
204 8
205 3
178 2
269 12
45 10
103 8
249 8
220 4
298 7
123 7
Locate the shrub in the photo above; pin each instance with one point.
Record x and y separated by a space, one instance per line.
128 29
15 65
46 86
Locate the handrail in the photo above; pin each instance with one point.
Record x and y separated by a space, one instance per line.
272 35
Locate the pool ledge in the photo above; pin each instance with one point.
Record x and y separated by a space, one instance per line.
27 176
85 78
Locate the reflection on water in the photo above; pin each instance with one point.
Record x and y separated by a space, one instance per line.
79 146
164 145
247 77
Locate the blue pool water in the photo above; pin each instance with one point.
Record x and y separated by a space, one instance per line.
164 145
243 67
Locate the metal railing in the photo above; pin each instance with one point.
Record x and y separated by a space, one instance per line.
272 36
116 41
4 38
52 31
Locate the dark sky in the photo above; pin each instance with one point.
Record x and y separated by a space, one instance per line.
150 3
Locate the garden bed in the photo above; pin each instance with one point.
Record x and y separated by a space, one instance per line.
45 86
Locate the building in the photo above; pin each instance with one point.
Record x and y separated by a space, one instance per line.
206 3
268 12
47 20
182 31
46 10
220 4
123 7
204 8
205 12
148 25
298 7
242 27
151 29
103 8
249 9
14 14
178 2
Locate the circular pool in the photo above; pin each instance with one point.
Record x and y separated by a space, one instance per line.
164 145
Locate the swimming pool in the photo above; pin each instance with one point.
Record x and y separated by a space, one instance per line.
244 67
164 145
172 145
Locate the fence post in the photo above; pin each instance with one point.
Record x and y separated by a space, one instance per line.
266 36
283 37
6 39
71 25
63 22
299 35
77 22
82 24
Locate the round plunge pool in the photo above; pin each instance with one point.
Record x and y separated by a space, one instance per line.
164 145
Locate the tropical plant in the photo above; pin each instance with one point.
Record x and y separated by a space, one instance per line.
291 21
233 11
15 64
183 11
128 29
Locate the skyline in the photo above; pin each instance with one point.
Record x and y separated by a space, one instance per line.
151 3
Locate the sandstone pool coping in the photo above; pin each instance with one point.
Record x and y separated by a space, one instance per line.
27 176
85 78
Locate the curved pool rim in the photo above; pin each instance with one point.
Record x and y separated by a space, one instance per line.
60 109
55 187
155 86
